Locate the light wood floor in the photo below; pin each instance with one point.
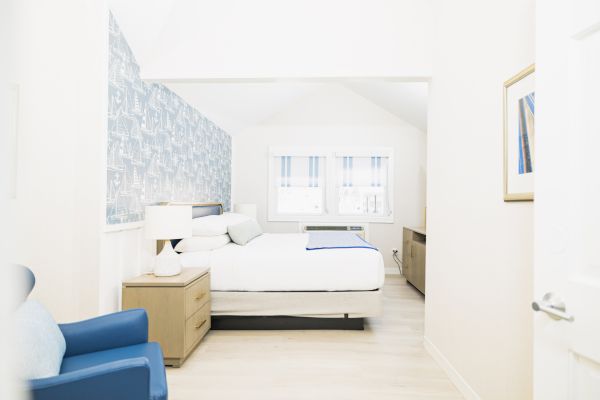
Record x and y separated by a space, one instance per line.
385 361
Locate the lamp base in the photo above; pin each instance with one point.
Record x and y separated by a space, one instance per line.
167 262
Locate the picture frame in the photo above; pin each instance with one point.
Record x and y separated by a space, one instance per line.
519 135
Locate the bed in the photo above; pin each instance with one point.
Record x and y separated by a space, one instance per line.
273 282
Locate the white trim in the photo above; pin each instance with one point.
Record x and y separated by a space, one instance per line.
104 147
392 270
461 384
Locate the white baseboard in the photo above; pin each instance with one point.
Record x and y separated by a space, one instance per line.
460 383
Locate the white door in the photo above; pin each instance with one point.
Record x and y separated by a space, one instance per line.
567 201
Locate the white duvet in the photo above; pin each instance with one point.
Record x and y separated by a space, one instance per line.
280 262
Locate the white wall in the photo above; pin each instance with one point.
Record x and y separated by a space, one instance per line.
478 319
124 254
333 116
61 73
10 283
60 206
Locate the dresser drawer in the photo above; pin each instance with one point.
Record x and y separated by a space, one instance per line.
196 295
197 326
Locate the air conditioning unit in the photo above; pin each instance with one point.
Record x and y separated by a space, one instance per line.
361 229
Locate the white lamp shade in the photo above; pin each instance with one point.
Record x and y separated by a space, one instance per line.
246 209
168 222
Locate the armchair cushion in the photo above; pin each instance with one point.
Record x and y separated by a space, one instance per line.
106 332
150 351
127 379
40 343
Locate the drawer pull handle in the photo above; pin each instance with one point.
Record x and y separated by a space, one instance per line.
200 325
200 296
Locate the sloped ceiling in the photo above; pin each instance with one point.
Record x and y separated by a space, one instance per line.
153 27
236 106
406 100
199 39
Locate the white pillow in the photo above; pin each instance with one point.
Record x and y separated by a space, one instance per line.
39 342
202 243
214 225
244 232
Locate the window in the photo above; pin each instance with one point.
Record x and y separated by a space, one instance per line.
362 185
300 185
309 184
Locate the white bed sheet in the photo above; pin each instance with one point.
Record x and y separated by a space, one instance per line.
280 262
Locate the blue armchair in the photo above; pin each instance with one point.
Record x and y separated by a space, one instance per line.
107 357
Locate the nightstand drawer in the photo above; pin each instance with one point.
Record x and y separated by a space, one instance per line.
196 295
197 326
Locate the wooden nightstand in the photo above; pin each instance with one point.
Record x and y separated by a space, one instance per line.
178 310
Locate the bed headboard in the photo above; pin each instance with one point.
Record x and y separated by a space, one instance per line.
199 210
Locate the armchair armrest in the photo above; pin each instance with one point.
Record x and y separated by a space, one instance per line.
117 380
120 329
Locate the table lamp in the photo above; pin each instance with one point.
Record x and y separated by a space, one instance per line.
166 223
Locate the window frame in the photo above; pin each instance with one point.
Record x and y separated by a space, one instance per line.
331 189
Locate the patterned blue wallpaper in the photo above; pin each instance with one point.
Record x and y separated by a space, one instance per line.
159 147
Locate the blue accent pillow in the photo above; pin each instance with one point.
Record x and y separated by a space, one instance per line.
40 343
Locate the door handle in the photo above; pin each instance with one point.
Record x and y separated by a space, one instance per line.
554 306
200 325
199 297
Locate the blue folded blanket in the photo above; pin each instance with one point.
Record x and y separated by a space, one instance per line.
336 240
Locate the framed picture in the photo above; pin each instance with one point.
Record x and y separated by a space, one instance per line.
519 136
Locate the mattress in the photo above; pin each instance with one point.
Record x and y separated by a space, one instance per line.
280 262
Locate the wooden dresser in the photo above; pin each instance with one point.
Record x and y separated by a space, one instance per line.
178 310
413 256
